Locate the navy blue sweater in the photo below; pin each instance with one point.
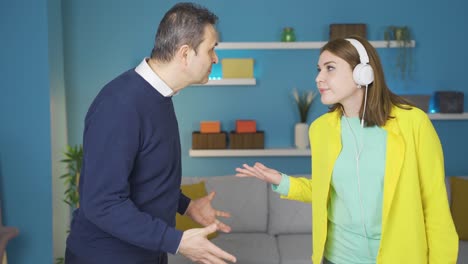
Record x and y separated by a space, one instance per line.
131 175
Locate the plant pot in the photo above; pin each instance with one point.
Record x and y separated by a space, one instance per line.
301 135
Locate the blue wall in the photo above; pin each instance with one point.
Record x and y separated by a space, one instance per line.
102 40
25 164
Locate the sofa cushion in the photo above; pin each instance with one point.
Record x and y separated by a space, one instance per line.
193 191
244 198
288 216
249 248
447 184
459 205
463 252
295 249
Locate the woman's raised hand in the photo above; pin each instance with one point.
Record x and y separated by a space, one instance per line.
261 172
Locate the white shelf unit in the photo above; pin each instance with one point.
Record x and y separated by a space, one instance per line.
440 116
288 152
279 46
296 45
233 81
274 152
284 152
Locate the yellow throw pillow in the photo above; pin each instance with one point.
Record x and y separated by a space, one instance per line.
193 191
459 205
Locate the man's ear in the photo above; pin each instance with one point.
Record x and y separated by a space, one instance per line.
183 53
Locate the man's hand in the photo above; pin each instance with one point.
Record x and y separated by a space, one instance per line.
201 211
195 246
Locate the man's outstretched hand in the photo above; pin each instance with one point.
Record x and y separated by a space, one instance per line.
195 246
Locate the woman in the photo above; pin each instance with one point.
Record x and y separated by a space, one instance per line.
377 187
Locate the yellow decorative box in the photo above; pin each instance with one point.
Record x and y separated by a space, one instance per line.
237 68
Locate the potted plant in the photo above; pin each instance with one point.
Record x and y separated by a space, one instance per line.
73 160
402 36
303 101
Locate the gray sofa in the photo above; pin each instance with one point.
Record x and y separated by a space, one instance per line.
265 228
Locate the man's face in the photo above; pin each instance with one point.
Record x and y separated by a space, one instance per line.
201 60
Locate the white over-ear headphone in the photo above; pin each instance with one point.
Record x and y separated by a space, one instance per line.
363 73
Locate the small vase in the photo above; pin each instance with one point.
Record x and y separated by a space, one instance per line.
288 35
399 34
301 135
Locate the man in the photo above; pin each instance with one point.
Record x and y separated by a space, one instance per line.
131 174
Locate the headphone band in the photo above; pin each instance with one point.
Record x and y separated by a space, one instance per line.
363 57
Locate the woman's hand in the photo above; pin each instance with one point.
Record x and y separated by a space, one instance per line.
261 172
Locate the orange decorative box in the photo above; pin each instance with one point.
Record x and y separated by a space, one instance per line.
210 127
246 126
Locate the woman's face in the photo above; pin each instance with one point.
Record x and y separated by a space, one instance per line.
335 82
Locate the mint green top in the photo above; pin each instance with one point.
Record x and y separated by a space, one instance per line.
348 221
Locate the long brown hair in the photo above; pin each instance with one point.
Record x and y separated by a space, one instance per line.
380 99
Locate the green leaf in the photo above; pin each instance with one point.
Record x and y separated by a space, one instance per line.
73 160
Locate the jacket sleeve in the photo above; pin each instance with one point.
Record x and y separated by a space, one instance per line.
441 234
300 189
111 145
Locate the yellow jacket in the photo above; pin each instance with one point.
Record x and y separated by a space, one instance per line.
417 226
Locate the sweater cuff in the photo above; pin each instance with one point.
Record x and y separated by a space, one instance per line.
171 240
283 187
184 202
